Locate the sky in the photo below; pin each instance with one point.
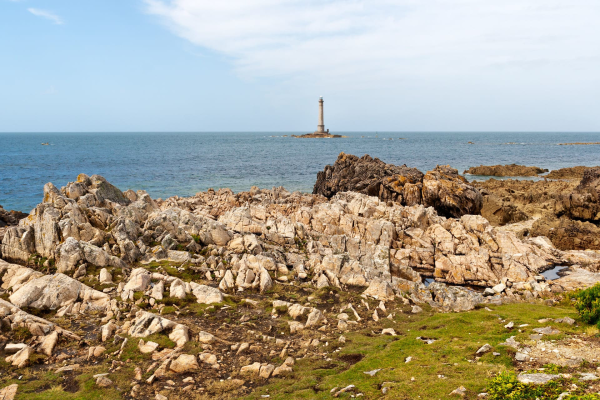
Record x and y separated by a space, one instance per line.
261 65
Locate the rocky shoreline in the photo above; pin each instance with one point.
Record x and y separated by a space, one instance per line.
238 287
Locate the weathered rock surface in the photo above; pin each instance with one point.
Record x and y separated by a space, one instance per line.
50 292
505 170
442 188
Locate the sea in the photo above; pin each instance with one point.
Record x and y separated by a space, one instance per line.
184 163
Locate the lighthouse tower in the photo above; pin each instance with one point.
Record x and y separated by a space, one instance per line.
321 126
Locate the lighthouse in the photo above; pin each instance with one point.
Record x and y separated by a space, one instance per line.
321 126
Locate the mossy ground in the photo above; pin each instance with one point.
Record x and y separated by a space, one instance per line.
437 368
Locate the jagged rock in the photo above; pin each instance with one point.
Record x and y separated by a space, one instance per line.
48 343
449 193
184 363
21 358
372 177
228 282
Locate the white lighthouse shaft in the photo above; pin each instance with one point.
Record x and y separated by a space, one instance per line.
321 126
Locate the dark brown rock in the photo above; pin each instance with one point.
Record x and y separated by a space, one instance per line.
9 218
370 176
567 173
449 193
505 170
568 234
584 202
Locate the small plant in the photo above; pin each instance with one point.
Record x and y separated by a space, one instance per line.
587 304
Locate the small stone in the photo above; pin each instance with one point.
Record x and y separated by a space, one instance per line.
416 309
372 373
103 381
484 349
460 391
389 331
537 379
521 356
510 325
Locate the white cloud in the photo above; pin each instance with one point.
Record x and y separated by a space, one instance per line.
375 40
46 14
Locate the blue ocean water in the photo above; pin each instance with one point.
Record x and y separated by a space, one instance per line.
171 163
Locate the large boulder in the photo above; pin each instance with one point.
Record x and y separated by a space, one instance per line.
442 188
449 193
51 292
372 177
584 202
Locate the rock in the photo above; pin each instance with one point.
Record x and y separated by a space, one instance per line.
266 371
177 289
460 391
536 379
416 309
449 193
96 351
147 347
12 348
380 290
9 392
206 338
505 170
184 363
50 292
484 349
252 369
207 294
547 330
442 188
499 288
107 330
21 358
208 358
388 331
565 320
510 325
105 277
103 381
521 356
48 343
146 324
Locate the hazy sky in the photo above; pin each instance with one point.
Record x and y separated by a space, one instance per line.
247 65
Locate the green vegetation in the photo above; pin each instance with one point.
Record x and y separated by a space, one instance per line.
437 368
588 305
505 386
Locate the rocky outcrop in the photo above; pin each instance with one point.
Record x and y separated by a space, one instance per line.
568 234
505 170
584 202
441 188
575 173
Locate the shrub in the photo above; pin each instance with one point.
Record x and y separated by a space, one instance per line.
587 303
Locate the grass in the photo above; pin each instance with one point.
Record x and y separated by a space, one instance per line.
458 335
